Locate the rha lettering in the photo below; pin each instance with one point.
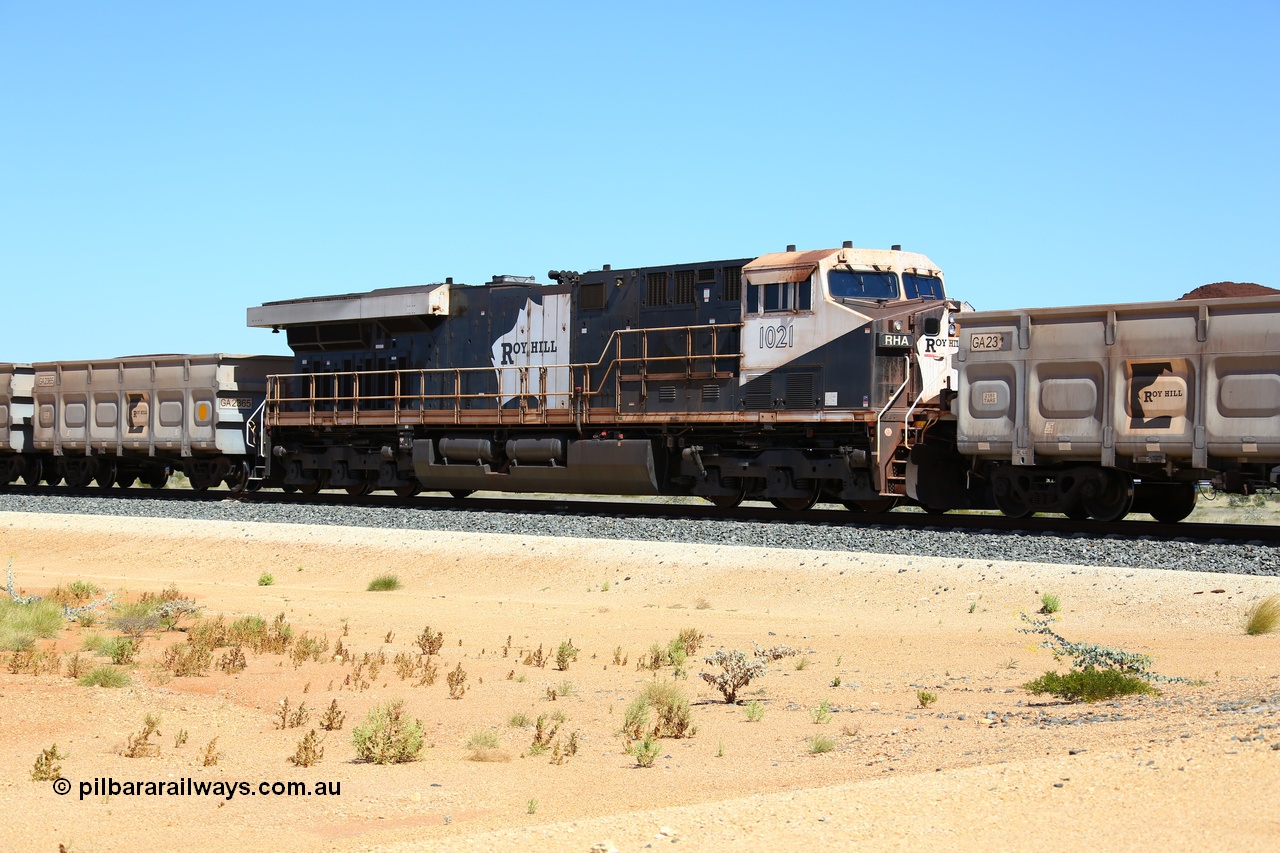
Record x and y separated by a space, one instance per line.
526 348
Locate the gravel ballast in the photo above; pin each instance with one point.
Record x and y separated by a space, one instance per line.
1248 559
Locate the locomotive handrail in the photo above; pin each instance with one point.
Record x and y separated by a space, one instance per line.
355 403
879 415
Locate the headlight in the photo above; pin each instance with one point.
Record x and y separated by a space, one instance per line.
951 330
897 325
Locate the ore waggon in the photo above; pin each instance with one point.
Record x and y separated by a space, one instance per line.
792 377
112 422
1097 411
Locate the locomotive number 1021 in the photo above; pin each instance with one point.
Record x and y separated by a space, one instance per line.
777 337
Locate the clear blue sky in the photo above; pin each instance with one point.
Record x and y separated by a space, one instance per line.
167 165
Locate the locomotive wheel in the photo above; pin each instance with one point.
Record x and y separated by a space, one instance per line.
1108 498
1171 504
795 504
359 490
288 488
935 510
726 501
409 490
106 476
460 494
156 478
874 507
200 482
312 487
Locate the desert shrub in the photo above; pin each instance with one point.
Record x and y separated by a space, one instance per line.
384 583
140 745
566 653
388 735
429 642
926 698
185 659
635 720
211 755
232 661
819 744
754 711
544 731
76 665
457 680
209 632
519 721
308 752
250 631
136 619
104 676
646 751
48 767
332 719
288 717
1263 617
738 670
308 648
1085 655
1049 603
22 624
822 713
671 707
1090 685
485 745
122 650
266 579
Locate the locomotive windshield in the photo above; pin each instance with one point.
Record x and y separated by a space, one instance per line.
847 284
922 286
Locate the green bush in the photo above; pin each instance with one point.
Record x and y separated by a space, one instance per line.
104 676
1090 685
819 744
388 736
23 624
384 583
1050 603
266 579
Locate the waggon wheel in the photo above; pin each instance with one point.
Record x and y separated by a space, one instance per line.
935 510
125 479
33 472
1009 502
79 476
461 494
288 488
156 478
1109 497
1169 504
726 501
237 478
106 476
408 490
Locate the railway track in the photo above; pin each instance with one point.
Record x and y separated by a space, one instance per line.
1185 532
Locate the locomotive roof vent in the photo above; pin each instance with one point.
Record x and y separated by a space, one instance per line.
513 279
848 244
791 247
896 247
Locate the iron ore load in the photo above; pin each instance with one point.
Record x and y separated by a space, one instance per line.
792 377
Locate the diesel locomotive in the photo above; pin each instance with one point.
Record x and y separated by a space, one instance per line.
792 377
